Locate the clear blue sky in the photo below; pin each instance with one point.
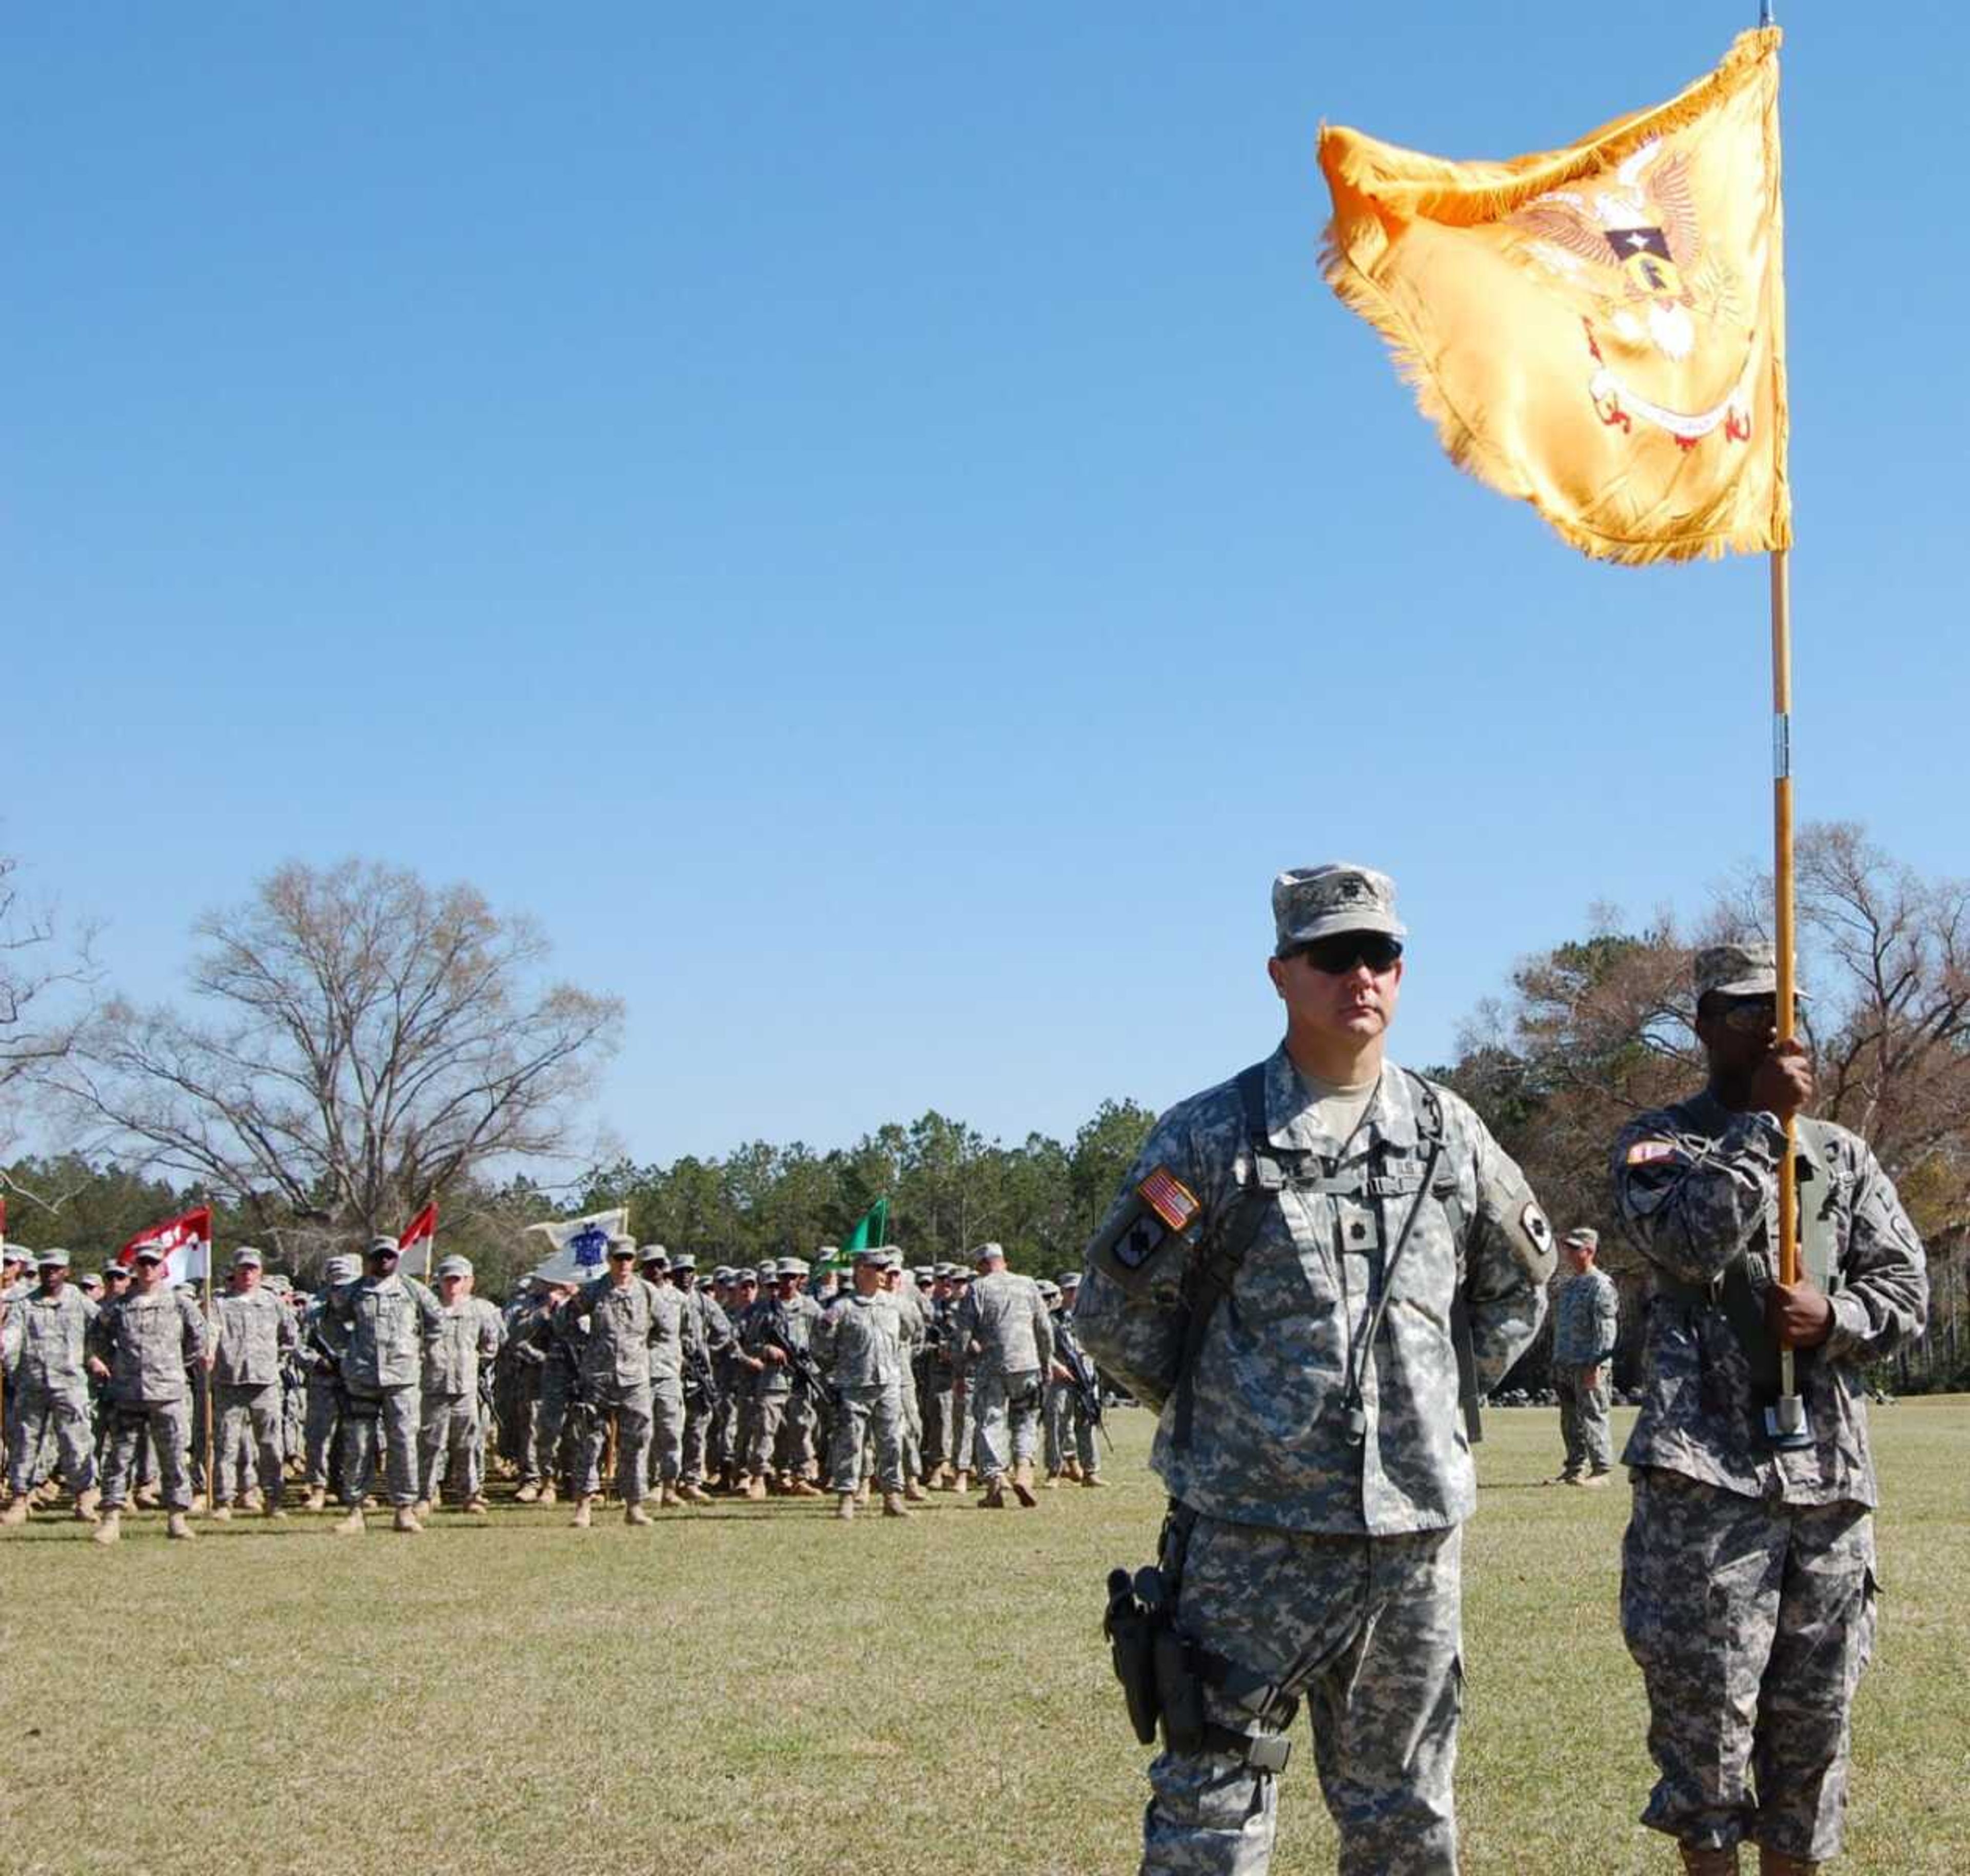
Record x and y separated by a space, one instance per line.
868 521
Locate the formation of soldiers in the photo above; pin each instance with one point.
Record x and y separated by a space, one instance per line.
780 1379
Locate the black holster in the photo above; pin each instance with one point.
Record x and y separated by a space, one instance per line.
1131 1631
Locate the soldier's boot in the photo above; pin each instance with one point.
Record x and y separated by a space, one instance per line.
547 1494
634 1513
915 1493
421 1510
406 1521
864 1492
85 1502
274 1509
178 1525
1093 1481
317 1500
667 1496
1595 1481
474 1507
961 1482
1052 1480
844 1507
16 1510
221 1514
1022 1484
893 1505
1776 1863
529 1494
804 1488
249 1500
690 1493
1072 1468
1700 1862
756 1485
109 1530
995 1496
580 1521
352 1525
148 1498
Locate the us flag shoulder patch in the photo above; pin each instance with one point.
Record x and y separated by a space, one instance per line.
1168 1197
1647 1152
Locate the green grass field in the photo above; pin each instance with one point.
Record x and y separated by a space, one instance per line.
758 1689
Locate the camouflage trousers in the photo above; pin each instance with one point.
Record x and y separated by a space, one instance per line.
695 1444
252 1424
667 1425
963 1424
1070 1434
1751 1621
1367 1630
913 1430
939 1421
628 1410
562 1425
1583 1418
324 1416
1008 1410
168 1424
861 1414
391 1417
450 1451
41 1421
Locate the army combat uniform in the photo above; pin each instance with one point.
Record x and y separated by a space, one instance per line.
626 1322
255 1331
379 1328
147 1339
1748 1583
450 1449
858 1345
44 1346
1318 1476
1586 1312
1006 1338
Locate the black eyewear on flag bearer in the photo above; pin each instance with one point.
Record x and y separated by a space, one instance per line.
1336 956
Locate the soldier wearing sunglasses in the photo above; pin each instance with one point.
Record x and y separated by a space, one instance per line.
1747 1580
1307 1271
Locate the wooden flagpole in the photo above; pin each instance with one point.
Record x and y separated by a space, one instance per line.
205 1371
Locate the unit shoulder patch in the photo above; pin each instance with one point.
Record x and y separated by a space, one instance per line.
1647 1153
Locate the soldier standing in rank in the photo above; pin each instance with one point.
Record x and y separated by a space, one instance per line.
736 1421
379 1329
522 1365
325 1450
254 1329
706 1335
1287 1277
1586 1313
450 1446
963 1391
44 1334
858 1345
935 1393
666 1446
775 1334
1003 1328
627 1317
1073 1450
913 1323
1747 1576
143 1345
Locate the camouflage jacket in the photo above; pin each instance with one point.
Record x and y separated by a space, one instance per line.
255 1329
45 1342
1002 1326
379 1328
1586 1311
148 1341
858 1342
1696 1188
470 1332
791 1322
1269 1441
629 1327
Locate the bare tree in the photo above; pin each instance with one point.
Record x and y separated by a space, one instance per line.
44 984
360 1041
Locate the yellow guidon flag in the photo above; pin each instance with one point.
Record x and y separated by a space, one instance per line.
1599 330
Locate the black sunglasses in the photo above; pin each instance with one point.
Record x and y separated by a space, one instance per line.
1336 956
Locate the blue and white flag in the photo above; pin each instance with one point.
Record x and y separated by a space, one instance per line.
581 1245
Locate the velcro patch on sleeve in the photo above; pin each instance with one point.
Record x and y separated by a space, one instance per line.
1139 1242
1168 1197
1647 1152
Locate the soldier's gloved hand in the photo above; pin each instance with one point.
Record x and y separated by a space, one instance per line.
1782 1084
1798 1314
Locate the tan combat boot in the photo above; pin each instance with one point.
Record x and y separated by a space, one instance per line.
16 1510
274 1509
317 1500
178 1525
756 1485
249 1500
547 1494
406 1521
1594 1481
961 1482
85 1502
893 1505
527 1495
1093 1481
915 1493
474 1507
844 1507
1052 1483
864 1493
109 1530
692 1494
352 1525
667 1497
221 1514
1776 1863
995 1496
421 1510
1072 1469
1022 1484
1697 1862
634 1513
580 1521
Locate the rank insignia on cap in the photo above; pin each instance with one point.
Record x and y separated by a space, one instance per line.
1647 1152
1168 1197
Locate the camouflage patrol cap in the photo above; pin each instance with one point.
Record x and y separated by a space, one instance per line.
746 1276
621 1242
281 1286
247 1258
1735 970
872 1253
54 1258
987 1252
382 1247
147 1253
790 1267
1310 902
652 1254
1584 1235
723 1274
12 1253
766 1269
454 1266
1050 1289
340 1270
684 1261
1070 1279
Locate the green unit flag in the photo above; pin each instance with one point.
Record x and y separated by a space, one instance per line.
871 1229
